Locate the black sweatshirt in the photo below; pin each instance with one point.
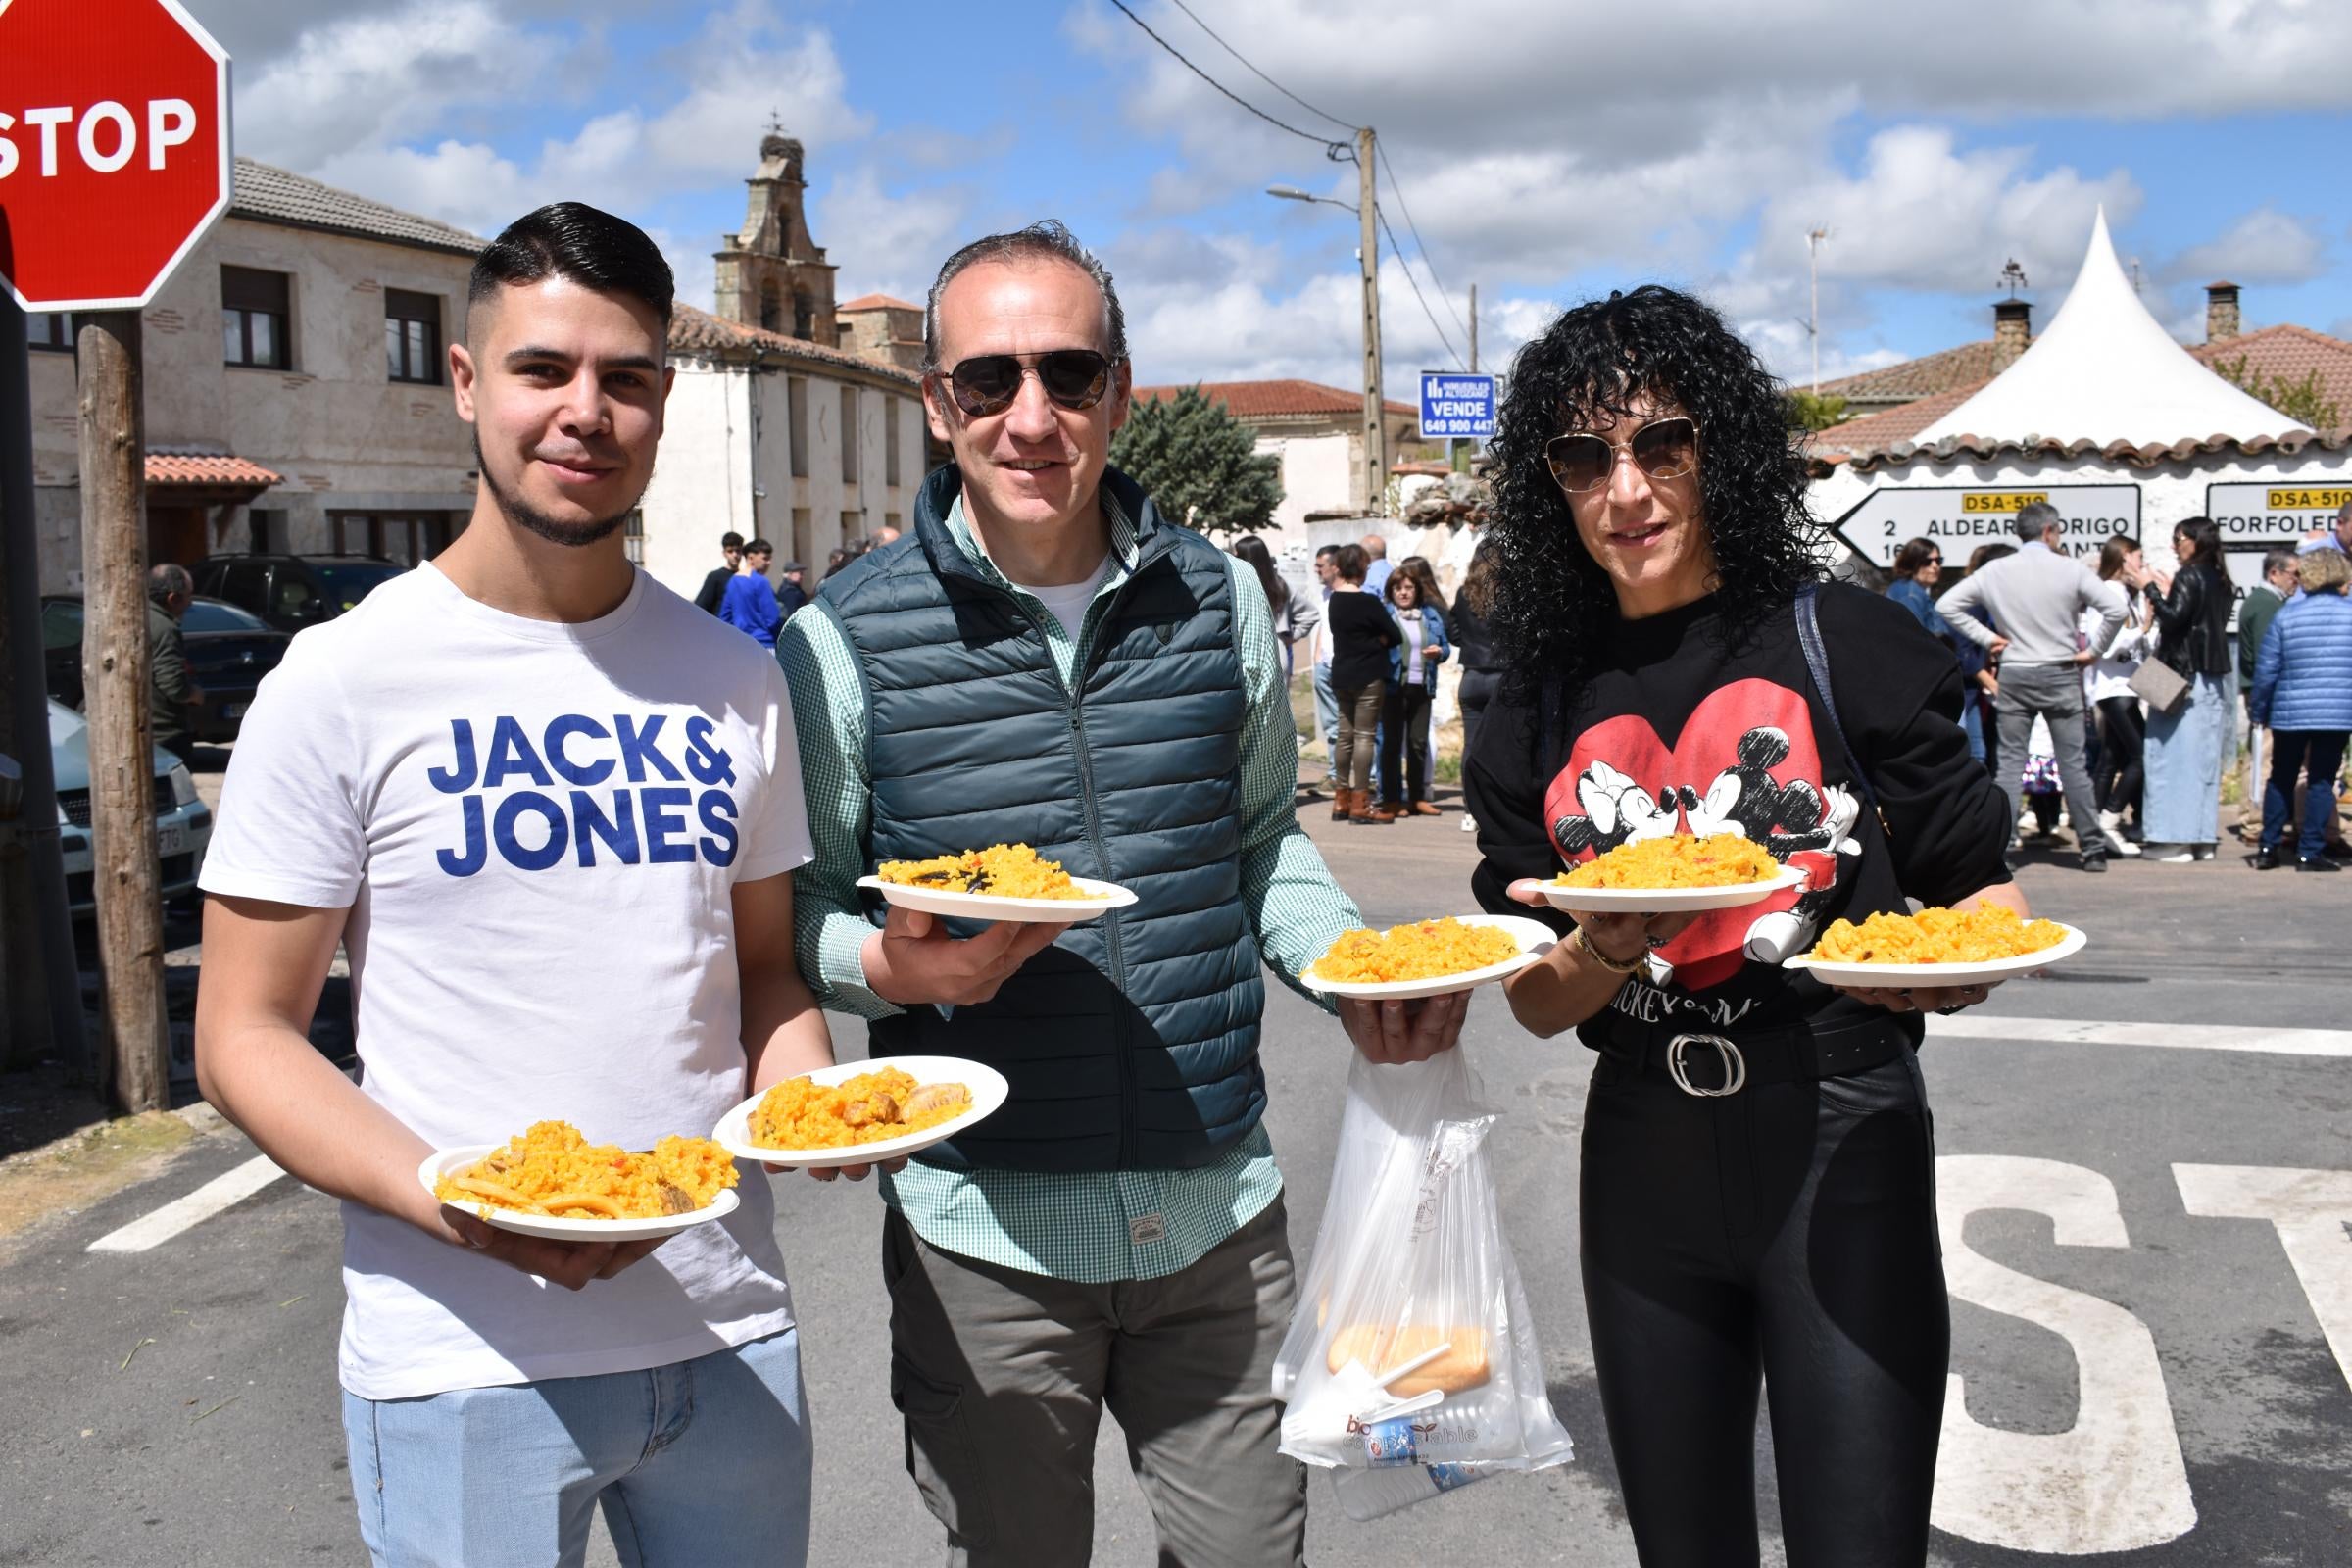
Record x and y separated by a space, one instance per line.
1361 634
1674 732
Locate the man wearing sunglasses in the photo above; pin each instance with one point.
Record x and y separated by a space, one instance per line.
1046 660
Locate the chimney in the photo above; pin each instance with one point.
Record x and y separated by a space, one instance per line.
2221 311
2012 331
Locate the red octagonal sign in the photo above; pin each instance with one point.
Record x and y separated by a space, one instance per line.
114 148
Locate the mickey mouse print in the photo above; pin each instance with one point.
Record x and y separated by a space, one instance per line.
1745 763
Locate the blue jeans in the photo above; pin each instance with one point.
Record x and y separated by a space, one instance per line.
702 1461
1327 720
2291 751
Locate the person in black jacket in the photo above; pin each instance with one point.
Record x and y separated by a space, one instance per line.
2182 798
714 585
1757 1197
1361 634
1474 645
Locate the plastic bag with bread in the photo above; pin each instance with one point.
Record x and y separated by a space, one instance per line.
1412 1343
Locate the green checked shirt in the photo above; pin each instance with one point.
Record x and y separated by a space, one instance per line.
1084 1226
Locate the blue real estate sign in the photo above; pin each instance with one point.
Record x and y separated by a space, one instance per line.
1457 406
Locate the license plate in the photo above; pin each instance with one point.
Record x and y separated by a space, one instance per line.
234 710
170 838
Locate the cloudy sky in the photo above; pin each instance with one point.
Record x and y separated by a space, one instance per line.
1545 150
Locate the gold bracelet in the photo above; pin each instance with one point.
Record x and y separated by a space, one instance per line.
1579 941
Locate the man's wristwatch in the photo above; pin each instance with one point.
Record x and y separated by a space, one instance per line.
1633 965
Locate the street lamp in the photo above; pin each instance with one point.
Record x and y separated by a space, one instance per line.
1368 213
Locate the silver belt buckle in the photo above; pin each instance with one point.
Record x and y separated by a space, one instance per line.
1735 1065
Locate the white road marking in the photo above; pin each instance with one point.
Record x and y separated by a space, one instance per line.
232 1187
2310 1209
2167 1036
2115 1481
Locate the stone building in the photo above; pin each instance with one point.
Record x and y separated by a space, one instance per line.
295 385
888 331
775 429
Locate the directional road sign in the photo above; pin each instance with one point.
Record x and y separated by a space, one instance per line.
1961 518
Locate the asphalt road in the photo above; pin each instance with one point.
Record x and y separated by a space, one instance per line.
2146 1377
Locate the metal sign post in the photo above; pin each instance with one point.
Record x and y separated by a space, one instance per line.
44 983
111 170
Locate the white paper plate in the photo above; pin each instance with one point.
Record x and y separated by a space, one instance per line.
1668 900
1101 896
1895 975
1534 937
988 1092
564 1227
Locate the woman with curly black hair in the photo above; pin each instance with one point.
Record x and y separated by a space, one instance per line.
1758 1182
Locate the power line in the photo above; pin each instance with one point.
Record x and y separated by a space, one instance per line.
1253 71
1381 149
1440 326
1332 148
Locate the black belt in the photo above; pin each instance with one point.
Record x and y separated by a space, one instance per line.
1713 1062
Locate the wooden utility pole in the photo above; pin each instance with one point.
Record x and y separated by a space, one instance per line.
1376 444
136 1048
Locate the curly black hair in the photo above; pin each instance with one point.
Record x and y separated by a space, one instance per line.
1555 610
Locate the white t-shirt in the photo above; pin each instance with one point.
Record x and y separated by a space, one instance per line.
536 827
1410 622
1067 602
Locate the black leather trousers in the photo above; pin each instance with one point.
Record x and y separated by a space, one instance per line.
1782 1236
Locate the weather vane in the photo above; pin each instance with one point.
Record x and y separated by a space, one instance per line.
775 123
2013 278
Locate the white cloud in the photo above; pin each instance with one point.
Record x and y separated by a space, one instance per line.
884 241
2265 246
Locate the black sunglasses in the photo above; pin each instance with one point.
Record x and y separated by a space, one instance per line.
1663 449
987 383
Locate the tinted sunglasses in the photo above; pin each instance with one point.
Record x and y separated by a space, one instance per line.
1663 449
987 383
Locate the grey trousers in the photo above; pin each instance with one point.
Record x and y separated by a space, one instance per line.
2055 692
1002 1377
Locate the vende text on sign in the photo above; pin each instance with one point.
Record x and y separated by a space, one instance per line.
1457 407
1961 518
2274 511
114 148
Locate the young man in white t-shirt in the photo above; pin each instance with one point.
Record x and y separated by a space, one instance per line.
549 809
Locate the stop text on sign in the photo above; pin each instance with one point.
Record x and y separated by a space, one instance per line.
115 157
106 134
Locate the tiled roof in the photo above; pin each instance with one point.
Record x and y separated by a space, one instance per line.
1971 364
273 195
2289 353
2284 353
877 302
1875 432
1979 448
1245 400
165 469
697 332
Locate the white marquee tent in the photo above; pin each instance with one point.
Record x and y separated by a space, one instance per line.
2111 421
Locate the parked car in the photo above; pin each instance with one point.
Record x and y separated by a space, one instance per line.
183 825
291 592
229 651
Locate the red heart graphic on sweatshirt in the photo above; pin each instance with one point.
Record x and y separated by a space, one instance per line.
1747 755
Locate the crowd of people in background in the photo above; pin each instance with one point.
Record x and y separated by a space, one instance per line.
2114 684
744 594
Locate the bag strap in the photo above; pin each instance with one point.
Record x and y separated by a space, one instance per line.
1817 664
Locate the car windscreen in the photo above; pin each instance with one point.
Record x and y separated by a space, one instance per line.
209 615
347 583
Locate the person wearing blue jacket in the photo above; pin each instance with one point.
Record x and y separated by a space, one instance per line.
750 604
2303 691
1420 614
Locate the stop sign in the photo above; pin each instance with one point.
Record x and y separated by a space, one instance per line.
114 148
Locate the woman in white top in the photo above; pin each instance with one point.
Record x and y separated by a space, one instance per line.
2122 729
